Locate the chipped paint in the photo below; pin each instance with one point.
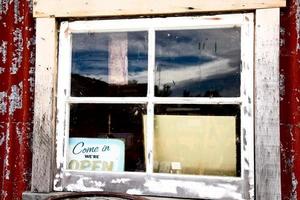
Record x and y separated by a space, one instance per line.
134 191
15 98
3 103
294 187
3 51
281 86
4 5
219 191
17 17
17 54
81 185
120 180
2 70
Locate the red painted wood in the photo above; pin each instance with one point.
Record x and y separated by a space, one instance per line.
17 45
290 100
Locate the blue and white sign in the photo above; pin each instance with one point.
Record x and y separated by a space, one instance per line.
93 154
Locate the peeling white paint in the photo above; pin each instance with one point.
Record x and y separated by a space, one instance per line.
15 98
4 6
31 84
298 24
294 187
4 194
6 161
3 103
80 186
7 174
98 184
2 70
30 42
2 134
17 17
196 188
281 86
120 180
18 52
19 133
161 186
32 61
134 191
3 51
30 4
2 139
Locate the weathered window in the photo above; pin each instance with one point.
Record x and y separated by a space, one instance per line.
171 97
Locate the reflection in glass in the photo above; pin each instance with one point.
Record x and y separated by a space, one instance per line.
197 139
118 121
109 64
198 63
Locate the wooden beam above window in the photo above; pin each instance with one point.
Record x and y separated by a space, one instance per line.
93 8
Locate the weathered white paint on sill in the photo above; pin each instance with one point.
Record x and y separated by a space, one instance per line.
158 184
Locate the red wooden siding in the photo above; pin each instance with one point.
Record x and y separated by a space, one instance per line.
16 96
290 100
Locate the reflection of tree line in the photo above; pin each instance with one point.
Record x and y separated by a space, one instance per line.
85 86
166 91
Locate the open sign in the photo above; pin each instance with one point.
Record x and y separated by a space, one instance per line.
93 154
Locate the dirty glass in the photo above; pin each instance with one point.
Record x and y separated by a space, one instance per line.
109 64
198 63
197 139
108 124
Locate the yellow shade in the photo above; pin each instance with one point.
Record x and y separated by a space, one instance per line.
194 144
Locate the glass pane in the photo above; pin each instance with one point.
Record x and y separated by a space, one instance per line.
198 63
110 127
197 139
109 64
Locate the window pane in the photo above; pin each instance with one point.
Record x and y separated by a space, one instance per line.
197 139
109 64
198 63
117 123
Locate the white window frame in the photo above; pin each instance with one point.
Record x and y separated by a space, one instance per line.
149 183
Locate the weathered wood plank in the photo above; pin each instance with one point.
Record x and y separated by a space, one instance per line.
267 141
162 185
44 108
84 8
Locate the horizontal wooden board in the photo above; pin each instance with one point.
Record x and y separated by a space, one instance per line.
92 8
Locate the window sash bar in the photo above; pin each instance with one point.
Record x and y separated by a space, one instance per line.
150 107
156 100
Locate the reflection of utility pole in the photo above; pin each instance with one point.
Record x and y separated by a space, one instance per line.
109 125
215 47
117 64
158 69
118 59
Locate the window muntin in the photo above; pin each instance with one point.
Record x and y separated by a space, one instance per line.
153 25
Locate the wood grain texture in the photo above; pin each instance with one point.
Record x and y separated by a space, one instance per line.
156 184
84 8
267 141
44 115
